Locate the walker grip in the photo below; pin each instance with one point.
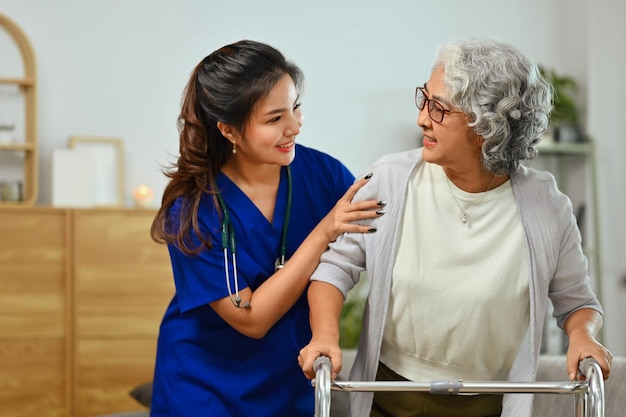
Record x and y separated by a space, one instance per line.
321 360
583 364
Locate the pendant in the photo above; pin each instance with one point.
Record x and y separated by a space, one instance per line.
465 218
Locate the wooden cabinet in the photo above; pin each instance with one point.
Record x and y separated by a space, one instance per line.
122 286
34 307
82 293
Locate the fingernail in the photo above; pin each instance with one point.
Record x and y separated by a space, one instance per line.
572 376
372 229
368 176
381 203
380 212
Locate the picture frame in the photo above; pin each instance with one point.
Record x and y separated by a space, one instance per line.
108 157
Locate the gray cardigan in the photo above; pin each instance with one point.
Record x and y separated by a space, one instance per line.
558 267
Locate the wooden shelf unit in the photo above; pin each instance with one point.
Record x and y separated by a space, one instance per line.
28 85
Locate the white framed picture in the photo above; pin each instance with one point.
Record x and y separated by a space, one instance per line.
108 158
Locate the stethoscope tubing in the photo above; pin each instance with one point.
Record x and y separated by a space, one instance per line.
228 242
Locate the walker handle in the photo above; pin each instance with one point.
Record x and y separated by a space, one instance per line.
590 368
322 368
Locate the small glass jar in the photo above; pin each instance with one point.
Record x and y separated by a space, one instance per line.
7 134
10 191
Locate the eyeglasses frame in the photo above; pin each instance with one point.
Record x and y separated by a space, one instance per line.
431 102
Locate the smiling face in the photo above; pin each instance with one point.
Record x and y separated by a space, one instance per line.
451 143
270 133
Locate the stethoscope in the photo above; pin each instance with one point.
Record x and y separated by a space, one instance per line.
228 242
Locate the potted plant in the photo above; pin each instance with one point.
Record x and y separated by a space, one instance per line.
350 322
564 118
352 315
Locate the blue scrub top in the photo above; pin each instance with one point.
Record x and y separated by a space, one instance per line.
204 367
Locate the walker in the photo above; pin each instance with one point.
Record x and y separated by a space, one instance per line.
589 394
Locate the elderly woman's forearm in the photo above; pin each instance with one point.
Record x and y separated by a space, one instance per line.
325 302
583 322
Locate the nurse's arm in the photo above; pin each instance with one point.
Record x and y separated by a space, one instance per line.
278 293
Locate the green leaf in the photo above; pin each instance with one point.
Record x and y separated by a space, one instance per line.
565 107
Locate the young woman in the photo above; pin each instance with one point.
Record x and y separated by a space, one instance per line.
246 216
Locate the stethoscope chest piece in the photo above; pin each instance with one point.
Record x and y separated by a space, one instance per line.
280 263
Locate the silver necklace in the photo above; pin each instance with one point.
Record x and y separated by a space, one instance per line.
468 211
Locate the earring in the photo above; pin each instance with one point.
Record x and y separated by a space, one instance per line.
234 147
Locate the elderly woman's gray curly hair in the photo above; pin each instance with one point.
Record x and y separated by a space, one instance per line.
503 92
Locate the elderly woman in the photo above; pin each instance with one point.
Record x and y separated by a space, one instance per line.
472 246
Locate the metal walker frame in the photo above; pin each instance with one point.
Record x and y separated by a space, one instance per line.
589 394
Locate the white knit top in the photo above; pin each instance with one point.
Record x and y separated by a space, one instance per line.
459 303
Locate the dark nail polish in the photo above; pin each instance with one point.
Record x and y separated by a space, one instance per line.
380 212
372 229
368 176
381 203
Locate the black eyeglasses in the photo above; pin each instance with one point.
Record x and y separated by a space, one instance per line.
436 111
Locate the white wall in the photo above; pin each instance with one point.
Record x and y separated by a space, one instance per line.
118 67
606 112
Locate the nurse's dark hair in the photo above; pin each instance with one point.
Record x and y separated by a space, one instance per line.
223 87
503 92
